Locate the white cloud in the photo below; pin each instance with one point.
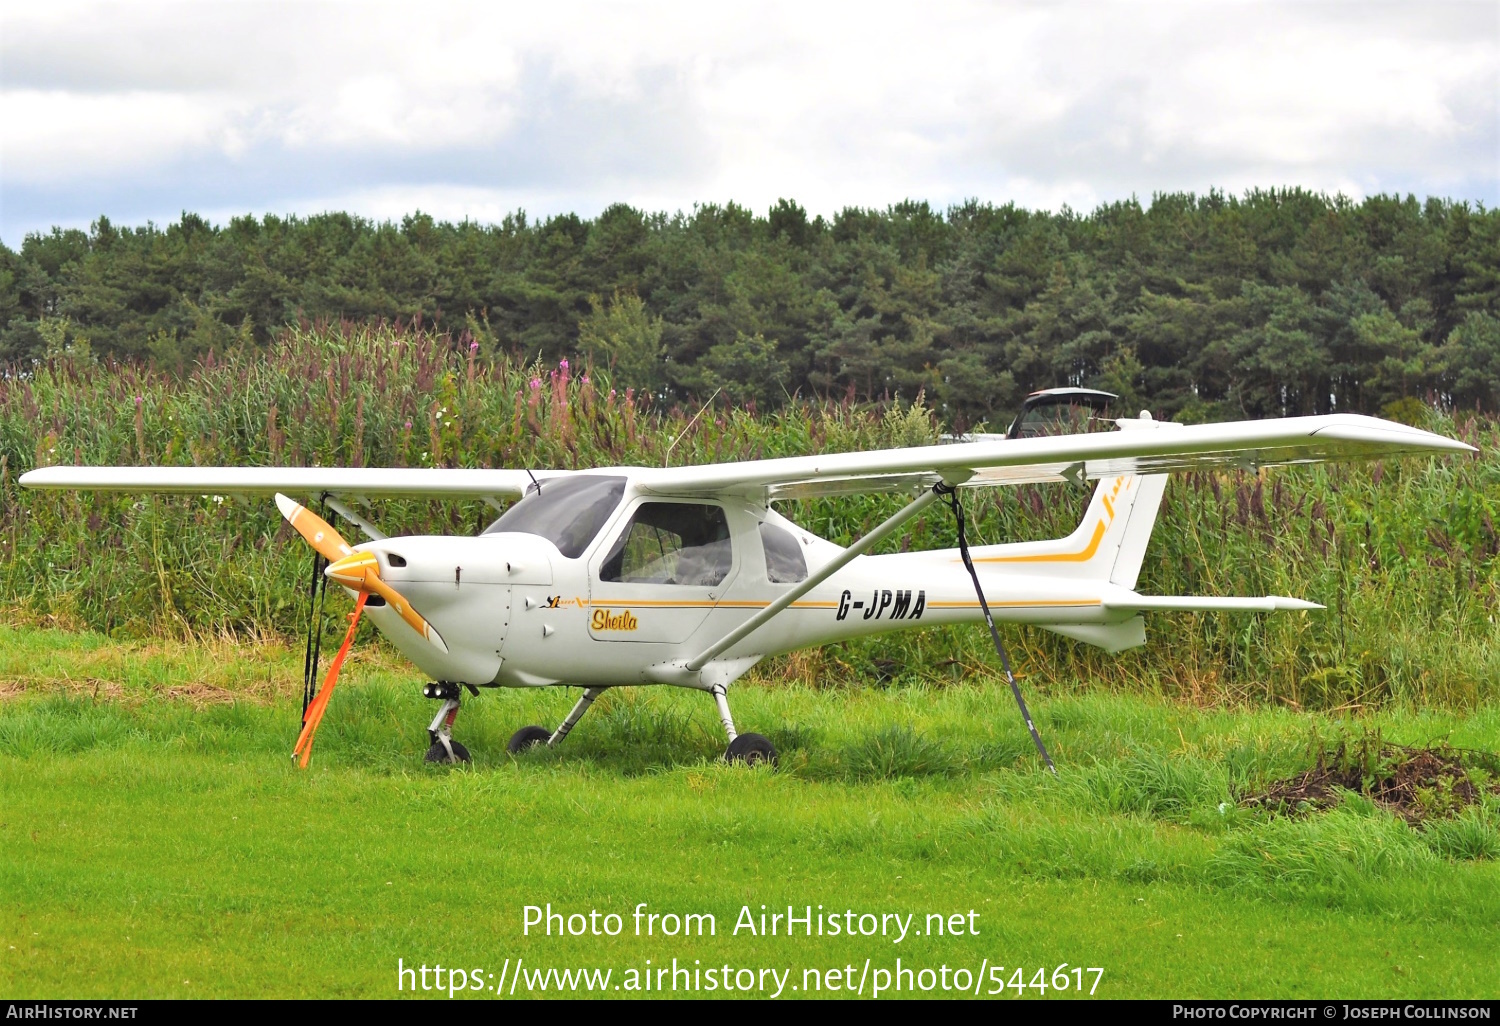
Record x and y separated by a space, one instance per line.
50 135
142 109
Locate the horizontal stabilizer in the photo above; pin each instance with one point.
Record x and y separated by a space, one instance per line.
1204 603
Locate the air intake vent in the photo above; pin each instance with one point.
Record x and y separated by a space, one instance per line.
395 560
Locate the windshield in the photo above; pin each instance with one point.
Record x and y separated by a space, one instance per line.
567 511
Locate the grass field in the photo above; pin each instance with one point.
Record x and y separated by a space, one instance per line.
158 842
155 839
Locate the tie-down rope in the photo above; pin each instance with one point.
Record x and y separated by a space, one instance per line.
951 493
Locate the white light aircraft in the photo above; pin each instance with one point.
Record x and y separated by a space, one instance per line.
687 576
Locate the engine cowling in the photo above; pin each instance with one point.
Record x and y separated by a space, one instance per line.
462 586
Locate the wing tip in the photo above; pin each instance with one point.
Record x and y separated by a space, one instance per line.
1373 429
38 477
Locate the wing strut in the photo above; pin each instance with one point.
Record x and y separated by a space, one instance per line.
371 531
963 550
745 629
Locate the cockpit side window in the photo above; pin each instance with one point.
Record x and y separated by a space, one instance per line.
569 511
671 543
784 560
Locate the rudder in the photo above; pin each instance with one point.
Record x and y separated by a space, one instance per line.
1136 527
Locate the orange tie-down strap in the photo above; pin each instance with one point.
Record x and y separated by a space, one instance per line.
320 703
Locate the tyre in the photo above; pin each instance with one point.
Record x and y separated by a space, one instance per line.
752 750
527 737
437 753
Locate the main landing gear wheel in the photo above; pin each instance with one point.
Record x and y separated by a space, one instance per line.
752 750
531 737
527 738
453 754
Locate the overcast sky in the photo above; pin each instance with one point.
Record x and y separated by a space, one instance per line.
142 110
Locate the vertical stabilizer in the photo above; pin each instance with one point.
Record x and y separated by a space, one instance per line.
1109 543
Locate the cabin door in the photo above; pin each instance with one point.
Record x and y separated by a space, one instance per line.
663 573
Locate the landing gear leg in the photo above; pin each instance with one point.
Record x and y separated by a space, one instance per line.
721 699
530 737
751 749
444 749
581 707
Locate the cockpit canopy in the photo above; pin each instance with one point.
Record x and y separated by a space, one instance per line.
1063 411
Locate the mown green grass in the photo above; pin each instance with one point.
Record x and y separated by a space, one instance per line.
158 842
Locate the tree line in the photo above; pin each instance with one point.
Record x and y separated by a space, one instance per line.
1279 302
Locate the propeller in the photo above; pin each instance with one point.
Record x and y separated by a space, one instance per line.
359 571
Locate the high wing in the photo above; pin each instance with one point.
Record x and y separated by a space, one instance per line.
367 482
1172 447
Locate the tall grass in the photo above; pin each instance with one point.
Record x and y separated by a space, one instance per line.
1403 553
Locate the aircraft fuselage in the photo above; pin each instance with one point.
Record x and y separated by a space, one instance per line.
516 612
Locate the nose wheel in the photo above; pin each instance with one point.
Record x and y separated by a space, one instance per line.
444 749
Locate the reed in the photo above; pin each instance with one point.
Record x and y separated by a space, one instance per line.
1403 553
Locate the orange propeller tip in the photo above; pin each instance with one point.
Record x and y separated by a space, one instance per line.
314 530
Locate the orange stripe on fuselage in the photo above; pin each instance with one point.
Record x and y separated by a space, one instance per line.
654 603
1054 557
696 604
1070 557
1017 603
936 604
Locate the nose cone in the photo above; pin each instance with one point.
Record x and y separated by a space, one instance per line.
353 569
